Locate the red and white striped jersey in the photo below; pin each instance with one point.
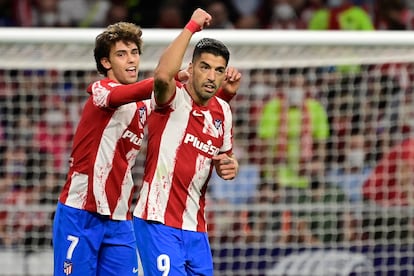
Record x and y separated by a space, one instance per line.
104 150
182 139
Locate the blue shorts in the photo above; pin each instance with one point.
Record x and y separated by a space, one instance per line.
89 244
170 251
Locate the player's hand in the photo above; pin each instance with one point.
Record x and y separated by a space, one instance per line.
226 166
232 80
201 17
183 76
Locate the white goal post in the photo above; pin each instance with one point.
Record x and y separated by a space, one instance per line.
71 48
44 69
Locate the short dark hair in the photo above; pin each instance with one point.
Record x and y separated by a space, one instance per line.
211 46
120 31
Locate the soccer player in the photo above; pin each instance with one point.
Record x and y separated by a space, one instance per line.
189 133
92 229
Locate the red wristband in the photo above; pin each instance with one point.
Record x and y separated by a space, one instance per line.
193 26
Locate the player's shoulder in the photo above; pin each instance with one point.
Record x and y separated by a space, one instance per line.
105 83
221 101
182 94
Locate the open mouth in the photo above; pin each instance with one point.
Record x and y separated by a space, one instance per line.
210 88
132 71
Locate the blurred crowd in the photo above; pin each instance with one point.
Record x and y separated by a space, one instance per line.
322 152
227 14
329 141
39 111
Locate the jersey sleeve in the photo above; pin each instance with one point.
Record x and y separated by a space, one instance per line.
110 94
128 93
227 146
222 94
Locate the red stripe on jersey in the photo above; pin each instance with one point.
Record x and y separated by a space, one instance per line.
202 224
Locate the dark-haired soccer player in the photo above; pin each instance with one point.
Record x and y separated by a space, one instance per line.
189 133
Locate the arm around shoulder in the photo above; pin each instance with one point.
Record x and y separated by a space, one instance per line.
129 93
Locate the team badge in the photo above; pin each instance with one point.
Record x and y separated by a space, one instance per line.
218 124
142 115
67 267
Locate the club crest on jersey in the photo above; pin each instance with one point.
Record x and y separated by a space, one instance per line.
142 115
218 124
206 147
67 267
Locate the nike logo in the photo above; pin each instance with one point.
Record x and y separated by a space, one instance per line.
197 113
134 270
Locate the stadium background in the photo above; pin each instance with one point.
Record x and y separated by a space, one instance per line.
364 81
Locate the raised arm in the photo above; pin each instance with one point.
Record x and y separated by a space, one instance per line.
172 58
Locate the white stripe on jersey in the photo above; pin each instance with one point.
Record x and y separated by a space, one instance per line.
123 115
78 190
194 191
143 196
228 125
119 212
209 127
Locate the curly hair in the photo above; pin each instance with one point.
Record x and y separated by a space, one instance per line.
121 31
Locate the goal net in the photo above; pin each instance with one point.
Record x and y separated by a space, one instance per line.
322 128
